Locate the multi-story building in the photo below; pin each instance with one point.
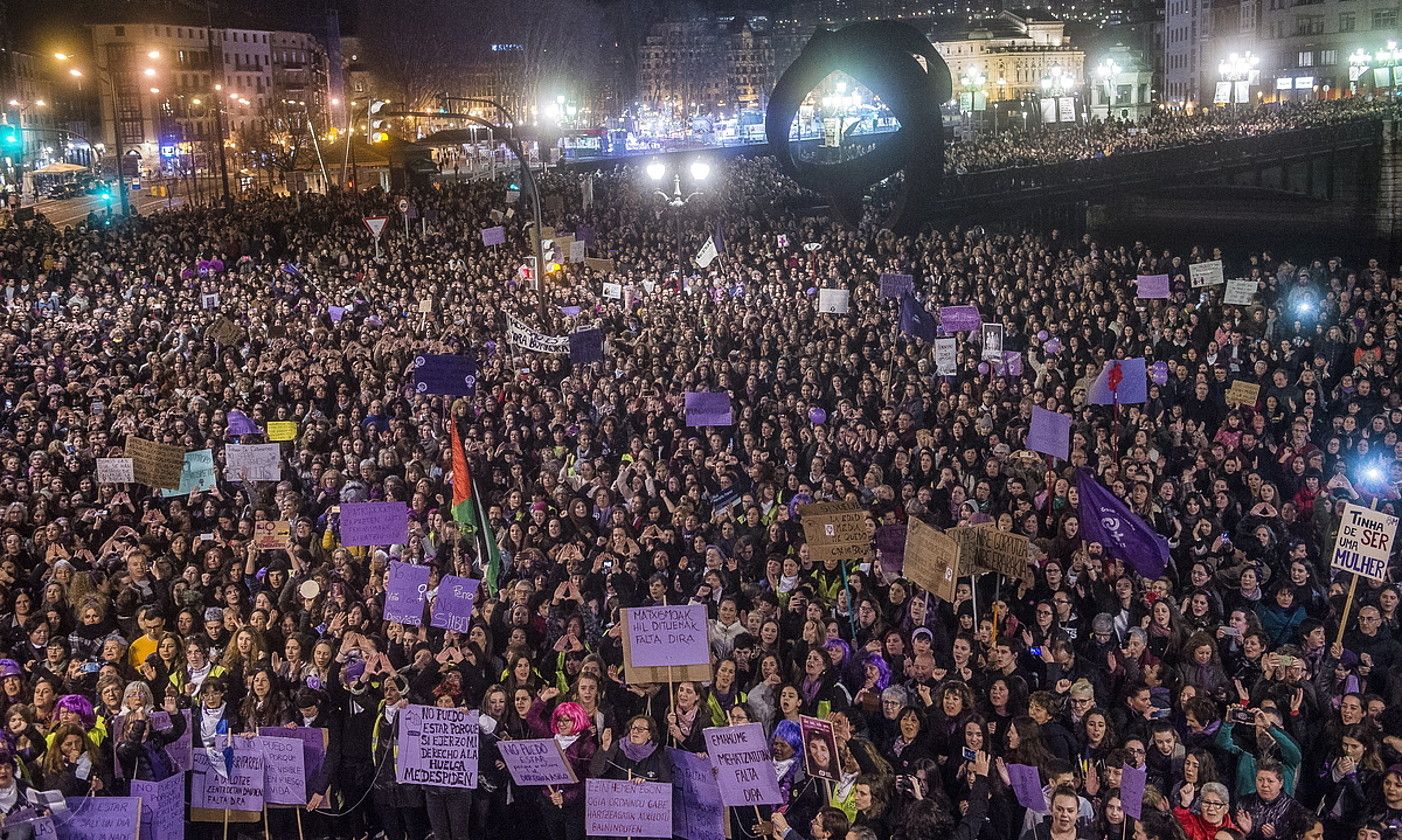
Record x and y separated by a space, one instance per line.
1018 58
1187 32
28 114
1328 48
715 65
301 77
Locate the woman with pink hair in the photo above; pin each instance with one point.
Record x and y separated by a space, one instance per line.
562 806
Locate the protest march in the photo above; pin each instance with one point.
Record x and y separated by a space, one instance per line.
979 533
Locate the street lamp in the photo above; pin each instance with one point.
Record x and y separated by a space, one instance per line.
1108 72
700 171
1387 59
1237 69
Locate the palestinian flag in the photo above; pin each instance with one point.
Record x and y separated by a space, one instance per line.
464 506
492 573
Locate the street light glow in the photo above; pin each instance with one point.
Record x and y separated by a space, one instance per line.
75 72
657 170
149 72
61 56
700 170
153 54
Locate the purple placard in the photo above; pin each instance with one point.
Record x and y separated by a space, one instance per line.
697 812
313 746
587 346
1012 363
452 606
239 424
1027 784
162 807
744 768
374 523
437 747
336 313
406 593
895 285
960 318
1152 286
709 408
494 236
1158 372
624 808
537 761
1050 433
284 771
242 791
1132 790
100 818
1052 346
890 550
664 636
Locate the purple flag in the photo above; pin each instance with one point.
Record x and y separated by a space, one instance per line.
709 408
336 313
915 319
587 346
894 286
1122 382
1152 286
448 374
406 592
960 318
1050 433
1052 346
452 606
1027 784
494 235
1132 790
1158 372
1108 521
239 424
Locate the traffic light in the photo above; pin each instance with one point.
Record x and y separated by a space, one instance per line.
9 140
378 125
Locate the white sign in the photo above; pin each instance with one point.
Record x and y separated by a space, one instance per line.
1239 292
253 462
1365 542
376 225
577 251
210 301
404 205
114 471
992 335
522 336
833 301
946 355
1206 274
613 291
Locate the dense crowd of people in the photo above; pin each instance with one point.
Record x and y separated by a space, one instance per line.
1225 678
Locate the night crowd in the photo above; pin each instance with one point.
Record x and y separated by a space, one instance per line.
1222 678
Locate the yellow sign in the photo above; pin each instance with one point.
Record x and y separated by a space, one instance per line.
280 430
271 535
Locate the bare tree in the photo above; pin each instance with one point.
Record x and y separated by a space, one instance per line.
276 143
416 49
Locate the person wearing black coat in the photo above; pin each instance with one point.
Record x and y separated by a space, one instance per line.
141 752
634 756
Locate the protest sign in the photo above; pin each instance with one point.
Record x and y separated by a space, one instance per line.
586 346
115 471
893 286
156 464
181 749
1364 542
1132 781
494 236
709 408
599 264
1241 392
452 606
241 791
445 373
336 313
1050 433
946 356
374 523
426 306
624 808
1012 363
535 762
272 534
991 336
196 474
406 589
162 807
100 818
1206 274
931 558
1120 382
282 430
1027 785
613 291
1240 292
209 301
661 636
284 776
890 549
437 747
836 530
520 335
578 251
224 332
313 741
834 301
959 318
697 812
253 462
744 768
1152 286
819 748
1158 372
983 548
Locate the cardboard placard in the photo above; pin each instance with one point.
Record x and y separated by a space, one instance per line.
931 558
645 674
1364 543
224 332
272 534
1206 274
1242 392
836 530
155 464
984 548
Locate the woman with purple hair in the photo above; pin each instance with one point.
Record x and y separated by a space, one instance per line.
562 806
876 676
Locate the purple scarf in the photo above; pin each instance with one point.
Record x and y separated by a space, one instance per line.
636 753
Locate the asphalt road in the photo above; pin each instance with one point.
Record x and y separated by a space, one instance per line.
71 211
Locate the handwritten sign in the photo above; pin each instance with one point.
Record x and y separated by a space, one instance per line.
834 301
284 775
697 812
599 264
115 471
282 430
537 761
744 768
196 474
242 791
162 807
253 462
1365 542
619 808
406 593
1206 274
272 535
437 747
667 635
836 531
100 818
224 332
374 523
1241 392
893 286
984 548
959 318
1240 292
156 464
452 606
931 558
